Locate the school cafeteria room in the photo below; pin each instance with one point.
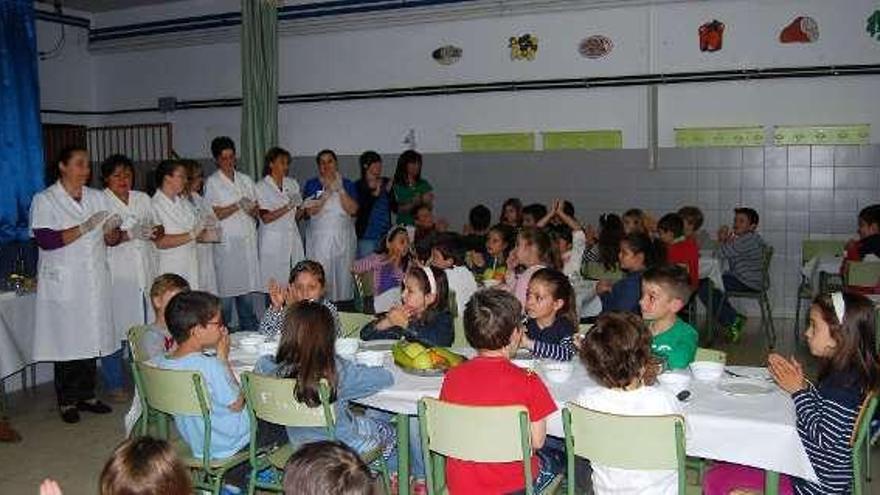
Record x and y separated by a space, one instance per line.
410 247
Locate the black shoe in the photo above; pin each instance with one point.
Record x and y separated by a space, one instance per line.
69 414
93 406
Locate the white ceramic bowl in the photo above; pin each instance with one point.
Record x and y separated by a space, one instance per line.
270 347
675 381
373 359
558 371
524 363
347 346
251 343
707 371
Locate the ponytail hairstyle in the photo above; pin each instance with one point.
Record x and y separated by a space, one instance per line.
610 235
653 249
440 287
855 337
547 251
306 351
507 234
560 288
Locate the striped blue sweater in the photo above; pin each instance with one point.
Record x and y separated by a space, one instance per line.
826 416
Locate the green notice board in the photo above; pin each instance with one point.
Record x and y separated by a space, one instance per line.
501 141
821 134
703 137
583 140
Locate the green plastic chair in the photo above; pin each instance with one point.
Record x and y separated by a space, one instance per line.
597 271
862 274
363 291
712 355
178 392
352 323
154 418
861 445
479 434
608 440
811 248
763 298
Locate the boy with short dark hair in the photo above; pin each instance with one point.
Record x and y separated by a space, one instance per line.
692 217
868 242
532 214
319 468
492 326
447 253
665 291
744 250
475 232
680 249
194 320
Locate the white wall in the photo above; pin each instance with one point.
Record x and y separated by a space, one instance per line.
659 39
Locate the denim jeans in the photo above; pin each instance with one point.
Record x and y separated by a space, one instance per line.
244 308
111 371
416 461
724 312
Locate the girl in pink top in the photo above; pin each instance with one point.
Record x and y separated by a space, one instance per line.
534 250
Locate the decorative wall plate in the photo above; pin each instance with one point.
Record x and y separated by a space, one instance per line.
873 25
596 46
524 47
802 29
446 55
711 36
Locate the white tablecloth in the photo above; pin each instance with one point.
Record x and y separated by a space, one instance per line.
756 431
815 267
16 332
710 267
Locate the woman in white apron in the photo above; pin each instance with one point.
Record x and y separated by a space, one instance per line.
233 196
74 324
331 203
205 244
177 248
279 199
132 262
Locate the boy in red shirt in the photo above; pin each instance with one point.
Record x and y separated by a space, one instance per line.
680 250
492 323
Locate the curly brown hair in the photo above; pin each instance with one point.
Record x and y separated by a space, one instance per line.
617 351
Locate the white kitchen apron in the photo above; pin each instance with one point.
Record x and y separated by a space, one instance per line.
178 216
73 313
281 246
331 241
236 256
132 263
205 250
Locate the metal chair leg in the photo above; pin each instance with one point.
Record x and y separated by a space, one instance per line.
767 321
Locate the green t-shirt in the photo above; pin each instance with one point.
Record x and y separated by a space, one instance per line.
677 345
407 194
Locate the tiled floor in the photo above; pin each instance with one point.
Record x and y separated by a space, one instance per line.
75 454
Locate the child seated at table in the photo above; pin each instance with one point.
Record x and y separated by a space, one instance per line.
389 263
532 213
571 243
306 353
638 252
146 466
606 247
306 282
552 316
477 228
692 217
195 322
665 290
156 340
617 354
868 243
744 251
427 227
511 213
423 313
492 265
321 468
841 336
680 249
492 326
448 255
534 250
635 221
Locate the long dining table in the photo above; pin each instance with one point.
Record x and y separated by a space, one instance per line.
754 429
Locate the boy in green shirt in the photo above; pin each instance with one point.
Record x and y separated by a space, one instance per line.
665 291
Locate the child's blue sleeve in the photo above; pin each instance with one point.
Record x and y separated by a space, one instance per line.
624 296
356 381
221 385
438 331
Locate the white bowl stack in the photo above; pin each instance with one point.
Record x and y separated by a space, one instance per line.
707 371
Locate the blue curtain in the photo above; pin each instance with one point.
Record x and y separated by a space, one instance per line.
21 147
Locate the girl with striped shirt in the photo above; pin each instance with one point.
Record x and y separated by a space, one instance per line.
841 336
552 316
